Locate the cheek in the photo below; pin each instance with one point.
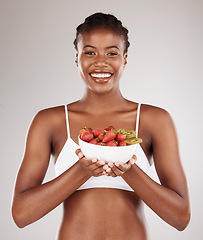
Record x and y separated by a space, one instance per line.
82 65
119 65
84 62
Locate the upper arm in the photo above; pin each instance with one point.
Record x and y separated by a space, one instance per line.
166 153
37 154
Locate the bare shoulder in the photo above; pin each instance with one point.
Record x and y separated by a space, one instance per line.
50 115
46 121
154 114
155 119
52 112
154 111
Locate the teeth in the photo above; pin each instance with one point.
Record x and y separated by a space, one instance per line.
101 75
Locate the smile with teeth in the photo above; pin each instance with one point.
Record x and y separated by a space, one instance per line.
101 75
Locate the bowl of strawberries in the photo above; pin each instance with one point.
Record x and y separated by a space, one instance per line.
108 144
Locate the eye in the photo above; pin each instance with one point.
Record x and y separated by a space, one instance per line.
89 53
112 54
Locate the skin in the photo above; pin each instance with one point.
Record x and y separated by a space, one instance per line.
102 213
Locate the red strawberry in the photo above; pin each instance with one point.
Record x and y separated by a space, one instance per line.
101 136
110 135
83 130
93 141
120 137
87 136
111 143
97 131
109 128
122 143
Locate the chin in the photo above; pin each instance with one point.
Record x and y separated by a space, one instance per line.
102 89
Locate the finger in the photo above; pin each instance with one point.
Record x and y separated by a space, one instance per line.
79 153
120 166
97 168
86 161
105 167
95 164
128 165
116 170
110 164
99 172
109 172
133 159
112 171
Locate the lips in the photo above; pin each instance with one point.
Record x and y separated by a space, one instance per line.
101 77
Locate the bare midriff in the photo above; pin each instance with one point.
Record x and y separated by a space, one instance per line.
103 214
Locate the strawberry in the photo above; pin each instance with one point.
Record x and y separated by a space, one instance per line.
109 128
122 143
83 130
110 135
87 136
97 131
93 141
101 136
112 144
120 137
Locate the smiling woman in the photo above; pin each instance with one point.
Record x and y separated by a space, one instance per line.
101 57
83 184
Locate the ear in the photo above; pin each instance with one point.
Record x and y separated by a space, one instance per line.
76 59
125 59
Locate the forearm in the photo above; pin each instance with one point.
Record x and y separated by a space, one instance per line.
34 203
166 203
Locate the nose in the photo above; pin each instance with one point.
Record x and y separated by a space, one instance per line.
101 61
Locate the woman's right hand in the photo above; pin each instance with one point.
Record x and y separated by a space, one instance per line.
93 166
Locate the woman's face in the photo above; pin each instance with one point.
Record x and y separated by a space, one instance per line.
101 59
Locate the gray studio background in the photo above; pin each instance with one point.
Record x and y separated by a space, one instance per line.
38 71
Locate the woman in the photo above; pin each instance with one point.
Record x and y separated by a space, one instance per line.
101 200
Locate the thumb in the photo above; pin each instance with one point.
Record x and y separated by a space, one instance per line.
133 159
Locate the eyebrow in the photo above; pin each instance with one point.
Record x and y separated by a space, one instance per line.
106 47
112 47
89 46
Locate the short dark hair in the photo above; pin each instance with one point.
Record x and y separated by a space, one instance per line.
102 20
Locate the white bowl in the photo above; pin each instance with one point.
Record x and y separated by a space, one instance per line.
107 153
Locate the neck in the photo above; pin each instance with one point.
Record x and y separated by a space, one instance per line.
100 103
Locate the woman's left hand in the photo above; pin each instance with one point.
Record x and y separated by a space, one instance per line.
118 168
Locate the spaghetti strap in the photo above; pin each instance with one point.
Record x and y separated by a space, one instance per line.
138 118
67 121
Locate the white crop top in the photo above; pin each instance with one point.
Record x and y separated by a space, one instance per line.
67 158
